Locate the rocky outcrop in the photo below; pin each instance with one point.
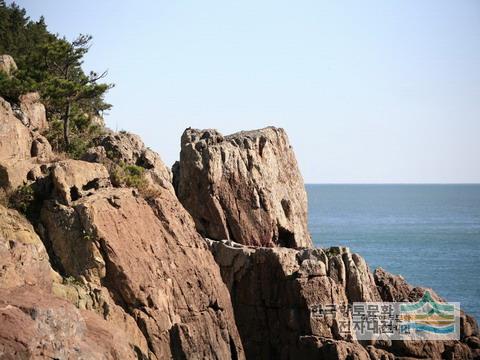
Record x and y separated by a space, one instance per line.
126 148
154 265
33 112
73 179
15 138
276 290
244 187
7 64
22 151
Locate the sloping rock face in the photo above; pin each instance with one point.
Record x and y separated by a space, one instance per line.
34 323
244 187
154 265
275 289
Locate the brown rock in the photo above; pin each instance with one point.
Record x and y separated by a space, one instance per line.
244 187
34 111
274 291
15 138
154 265
7 64
73 179
127 148
379 354
313 347
22 151
41 149
23 259
37 325
392 287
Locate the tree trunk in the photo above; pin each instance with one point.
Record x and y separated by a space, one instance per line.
66 127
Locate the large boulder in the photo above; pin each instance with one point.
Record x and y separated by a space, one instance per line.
244 187
7 64
155 266
33 111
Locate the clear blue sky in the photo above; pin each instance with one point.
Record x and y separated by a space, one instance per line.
368 91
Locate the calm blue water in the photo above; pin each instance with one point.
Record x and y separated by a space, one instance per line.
430 234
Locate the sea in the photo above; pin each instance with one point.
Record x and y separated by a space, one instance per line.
429 234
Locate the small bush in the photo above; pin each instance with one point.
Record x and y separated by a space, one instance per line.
124 175
22 199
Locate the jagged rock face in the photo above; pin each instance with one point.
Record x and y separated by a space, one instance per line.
155 266
22 151
7 64
273 290
15 138
244 187
395 288
34 322
127 148
33 111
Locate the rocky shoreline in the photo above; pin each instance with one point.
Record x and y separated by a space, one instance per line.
212 260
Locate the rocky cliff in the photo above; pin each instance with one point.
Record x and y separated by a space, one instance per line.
103 273
244 187
275 289
113 258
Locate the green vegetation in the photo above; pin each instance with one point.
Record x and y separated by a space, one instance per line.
128 175
22 199
52 65
123 175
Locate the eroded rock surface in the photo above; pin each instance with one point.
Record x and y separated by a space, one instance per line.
126 148
33 111
73 179
274 290
245 187
22 151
